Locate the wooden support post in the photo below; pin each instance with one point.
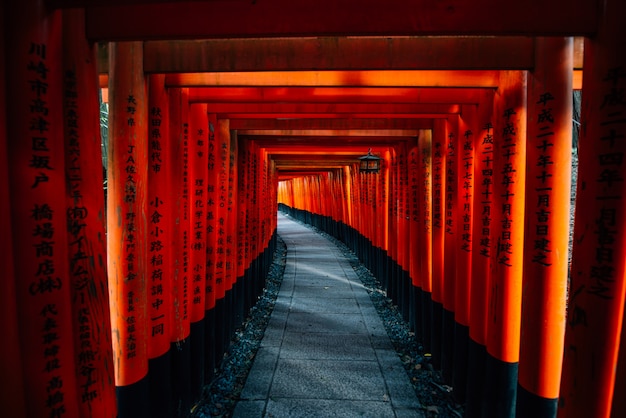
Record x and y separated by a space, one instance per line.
178 159
211 254
507 239
463 280
37 198
440 132
198 163
231 235
405 281
449 216
127 239
161 201
548 190
482 249
12 398
415 320
598 285
222 136
425 236
85 223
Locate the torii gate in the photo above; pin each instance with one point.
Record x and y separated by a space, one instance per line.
54 298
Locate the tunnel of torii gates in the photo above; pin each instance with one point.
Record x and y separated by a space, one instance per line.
220 111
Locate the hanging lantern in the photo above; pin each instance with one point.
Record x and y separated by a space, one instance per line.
369 163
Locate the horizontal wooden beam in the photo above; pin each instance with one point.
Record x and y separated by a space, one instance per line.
347 53
288 18
442 112
334 95
333 133
391 78
331 108
329 124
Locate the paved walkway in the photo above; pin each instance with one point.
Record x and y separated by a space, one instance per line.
325 352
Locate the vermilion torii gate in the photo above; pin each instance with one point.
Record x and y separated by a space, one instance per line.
220 109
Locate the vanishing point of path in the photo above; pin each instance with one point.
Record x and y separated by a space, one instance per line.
325 352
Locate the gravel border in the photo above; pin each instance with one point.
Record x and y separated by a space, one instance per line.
221 395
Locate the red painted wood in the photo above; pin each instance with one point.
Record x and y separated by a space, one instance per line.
127 201
466 194
37 198
283 18
161 207
12 397
354 78
598 286
329 124
440 133
507 217
198 183
339 53
212 212
230 248
548 199
482 244
430 95
425 196
450 214
179 152
337 108
86 223
222 136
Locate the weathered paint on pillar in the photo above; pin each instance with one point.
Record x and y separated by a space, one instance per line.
598 285
198 172
548 189
85 223
161 201
481 135
414 225
12 399
211 214
230 249
504 314
178 159
449 217
198 163
160 209
440 133
425 236
36 173
127 237
463 248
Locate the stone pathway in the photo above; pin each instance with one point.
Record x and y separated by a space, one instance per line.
325 352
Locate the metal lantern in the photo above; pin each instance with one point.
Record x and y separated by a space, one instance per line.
369 163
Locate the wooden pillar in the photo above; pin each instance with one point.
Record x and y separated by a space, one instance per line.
482 248
449 215
426 242
127 239
415 320
440 132
161 204
12 399
222 319
211 242
231 234
598 285
85 222
198 163
465 190
37 197
178 159
507 239
548 190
